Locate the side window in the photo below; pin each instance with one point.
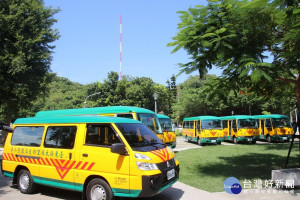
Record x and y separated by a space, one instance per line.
225 124
234 123
101 135
191 124
130 116
185 124
198 125
27 136
268 123
60 137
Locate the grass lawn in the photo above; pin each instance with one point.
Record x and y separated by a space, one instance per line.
208 167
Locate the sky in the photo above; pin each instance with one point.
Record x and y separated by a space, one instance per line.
89 44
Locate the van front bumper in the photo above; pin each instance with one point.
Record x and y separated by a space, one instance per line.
155 184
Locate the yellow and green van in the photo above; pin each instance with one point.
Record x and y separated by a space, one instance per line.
203 130
274 127
101 157
240 128
147 117
168 130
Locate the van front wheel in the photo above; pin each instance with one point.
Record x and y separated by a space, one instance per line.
25 182
98 189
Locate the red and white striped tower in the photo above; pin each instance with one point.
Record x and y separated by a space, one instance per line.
120 74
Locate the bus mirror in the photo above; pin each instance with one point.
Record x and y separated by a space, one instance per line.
118 148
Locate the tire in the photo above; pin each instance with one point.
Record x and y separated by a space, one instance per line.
269 139
199 142
98 189
253 142
235 140
25 182
186 139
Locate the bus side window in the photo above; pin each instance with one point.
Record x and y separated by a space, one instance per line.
130 116
191 124
234 124
268 123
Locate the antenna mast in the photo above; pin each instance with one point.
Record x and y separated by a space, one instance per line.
120 74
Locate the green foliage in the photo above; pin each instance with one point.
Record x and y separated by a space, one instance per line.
236 37
26 35
219 96
62 94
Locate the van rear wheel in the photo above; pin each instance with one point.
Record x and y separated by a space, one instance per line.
98 189
25 182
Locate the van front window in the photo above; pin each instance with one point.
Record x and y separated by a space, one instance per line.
151 121
139 137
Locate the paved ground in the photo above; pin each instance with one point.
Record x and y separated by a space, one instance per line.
178 191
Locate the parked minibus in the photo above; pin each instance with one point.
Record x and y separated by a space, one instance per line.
240 128
203 130
101 157
274 127
168 130
147 117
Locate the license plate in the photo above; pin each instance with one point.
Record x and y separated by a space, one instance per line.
284 138
249 139
171 174
213 141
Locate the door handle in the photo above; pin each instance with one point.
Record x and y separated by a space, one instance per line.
70 156
85 155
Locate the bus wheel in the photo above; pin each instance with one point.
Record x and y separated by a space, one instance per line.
235 140
199 142
186 139
25 182
98 189
269 138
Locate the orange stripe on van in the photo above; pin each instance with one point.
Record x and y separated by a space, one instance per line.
163 154
62 166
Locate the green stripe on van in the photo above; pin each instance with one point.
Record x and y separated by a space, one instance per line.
124 192
58 183
8 174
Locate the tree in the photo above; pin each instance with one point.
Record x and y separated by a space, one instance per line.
237 36
26 35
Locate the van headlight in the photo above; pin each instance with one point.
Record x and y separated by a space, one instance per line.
141 156
146 166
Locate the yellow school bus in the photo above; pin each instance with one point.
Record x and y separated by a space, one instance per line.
168 130
274 127
147 117
203 130
240 128
101 157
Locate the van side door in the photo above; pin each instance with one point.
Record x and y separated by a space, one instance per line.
97 159
57 156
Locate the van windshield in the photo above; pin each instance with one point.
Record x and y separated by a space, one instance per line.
166 124
151 121
139 137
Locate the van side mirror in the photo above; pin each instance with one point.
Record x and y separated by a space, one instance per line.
118 148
